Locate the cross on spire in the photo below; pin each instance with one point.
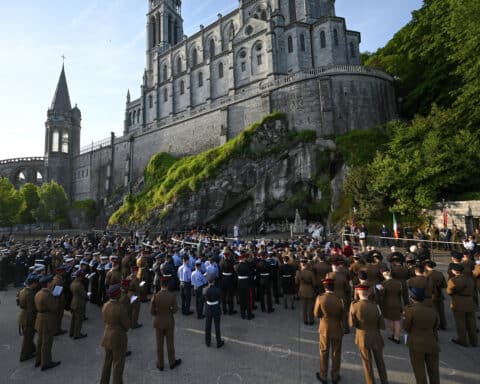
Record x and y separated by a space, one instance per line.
63 58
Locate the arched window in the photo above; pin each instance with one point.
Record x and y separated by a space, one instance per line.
263 15
175 32
139 114
194 57
353 51
165 73
65 142
292 7
165 94
129 122
179 64
55 141
231 32
134 116
335 37
290 44
182 87
220 71
212 49
39 177
200 79
323 40
21 177
302 42
150 101
154 31
170 29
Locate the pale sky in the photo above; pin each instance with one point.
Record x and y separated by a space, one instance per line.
104 45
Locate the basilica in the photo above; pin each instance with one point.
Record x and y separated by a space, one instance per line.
199 91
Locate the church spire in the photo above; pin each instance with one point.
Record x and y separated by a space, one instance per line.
61 99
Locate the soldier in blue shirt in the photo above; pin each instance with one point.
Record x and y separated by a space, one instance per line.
213 312
199 282
184 276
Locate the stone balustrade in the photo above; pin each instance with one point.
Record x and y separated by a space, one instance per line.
21 160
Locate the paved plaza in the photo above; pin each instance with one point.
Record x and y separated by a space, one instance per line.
272 348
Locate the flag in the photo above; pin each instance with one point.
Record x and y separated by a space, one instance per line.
395 227
445 216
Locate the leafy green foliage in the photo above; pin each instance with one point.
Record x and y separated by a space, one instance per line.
11 203
29 194
418 56
168 179
157 168
435 155
87 206
53 203
359 147
424 160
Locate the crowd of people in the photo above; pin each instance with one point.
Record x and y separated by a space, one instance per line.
446 238
344 288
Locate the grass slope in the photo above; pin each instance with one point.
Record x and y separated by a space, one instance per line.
168 178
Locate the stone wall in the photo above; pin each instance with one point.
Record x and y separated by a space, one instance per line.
465 214
331 102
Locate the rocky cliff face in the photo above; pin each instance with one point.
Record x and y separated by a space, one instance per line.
289 172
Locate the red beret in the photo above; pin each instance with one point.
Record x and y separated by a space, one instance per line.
328 281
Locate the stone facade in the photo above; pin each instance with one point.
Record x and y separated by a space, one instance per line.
294 56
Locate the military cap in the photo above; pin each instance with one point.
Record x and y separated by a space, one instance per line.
32 278
457 267
328 282
96 254
430 264
410 258
114 290
362 275
417 293
396 258
60 269
68 260
456 255
114 257
104 257
198 262
38 267
46 279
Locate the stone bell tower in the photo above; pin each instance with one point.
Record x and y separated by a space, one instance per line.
62 136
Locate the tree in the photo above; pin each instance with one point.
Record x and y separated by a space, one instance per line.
29 194
10 203
427 159
53 205
418 56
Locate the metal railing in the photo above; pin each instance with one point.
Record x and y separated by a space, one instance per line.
96 145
